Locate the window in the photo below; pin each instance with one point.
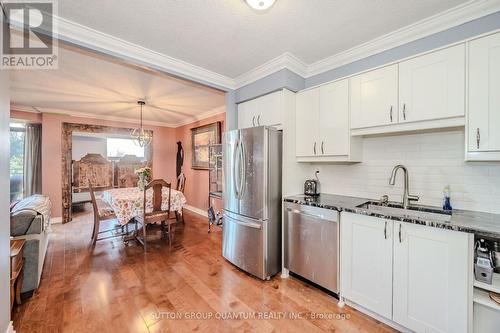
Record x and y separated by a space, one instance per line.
118 147
17 135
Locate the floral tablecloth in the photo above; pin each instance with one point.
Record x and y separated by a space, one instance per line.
127 202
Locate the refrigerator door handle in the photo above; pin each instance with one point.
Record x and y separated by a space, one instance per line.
243 223
235 184
242 170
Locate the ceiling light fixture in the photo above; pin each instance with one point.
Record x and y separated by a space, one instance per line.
141 136
260 4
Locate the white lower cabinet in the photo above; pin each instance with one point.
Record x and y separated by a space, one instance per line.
421 280
366 264
431 279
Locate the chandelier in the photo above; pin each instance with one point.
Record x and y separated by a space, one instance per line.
141 136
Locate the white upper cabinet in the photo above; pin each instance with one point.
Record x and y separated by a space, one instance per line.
334 118
322 125
431 278
483 137
307 118
432 86
374 97
266 110
244 115
270 107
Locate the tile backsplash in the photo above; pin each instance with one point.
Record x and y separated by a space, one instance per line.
434 160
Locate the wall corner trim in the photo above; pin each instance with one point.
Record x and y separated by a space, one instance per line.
284 61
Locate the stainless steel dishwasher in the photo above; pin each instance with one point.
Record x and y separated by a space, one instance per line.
312 244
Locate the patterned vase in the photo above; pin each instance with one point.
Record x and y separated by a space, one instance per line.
141 182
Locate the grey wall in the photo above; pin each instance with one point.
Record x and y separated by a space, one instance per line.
231 110
279 80
4 201
456 34
287 79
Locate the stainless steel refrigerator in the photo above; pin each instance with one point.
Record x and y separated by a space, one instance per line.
251 236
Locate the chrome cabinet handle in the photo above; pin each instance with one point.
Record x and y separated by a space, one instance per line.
385 230
258 120
404 111
253 121
314 148
478 137
390 113
400 232
322 150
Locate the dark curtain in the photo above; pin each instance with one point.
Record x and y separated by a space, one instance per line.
180 158
33 160
179 161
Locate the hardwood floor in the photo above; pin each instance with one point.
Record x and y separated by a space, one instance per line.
119 288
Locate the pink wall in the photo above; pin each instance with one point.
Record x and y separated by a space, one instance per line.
164 150
26 116
196 190
164 155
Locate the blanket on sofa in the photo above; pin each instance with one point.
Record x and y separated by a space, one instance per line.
37 203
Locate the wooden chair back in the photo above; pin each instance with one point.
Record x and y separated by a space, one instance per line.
93 199
125 171
92 167
157 186
181 182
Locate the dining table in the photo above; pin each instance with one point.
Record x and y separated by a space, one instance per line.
127 202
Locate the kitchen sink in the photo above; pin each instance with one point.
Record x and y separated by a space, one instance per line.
412 212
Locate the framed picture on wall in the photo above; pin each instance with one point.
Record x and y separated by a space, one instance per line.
201 138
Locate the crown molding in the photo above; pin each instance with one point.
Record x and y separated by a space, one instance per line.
185 121
24 108
284 61
84 36
455 16
450 18
202 116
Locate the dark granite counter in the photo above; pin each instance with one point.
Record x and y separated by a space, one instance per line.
483 224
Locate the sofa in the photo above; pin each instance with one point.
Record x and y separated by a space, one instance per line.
30 220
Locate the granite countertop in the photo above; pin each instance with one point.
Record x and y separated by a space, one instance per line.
483 224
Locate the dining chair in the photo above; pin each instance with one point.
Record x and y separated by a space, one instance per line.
102 212
181 185
156 214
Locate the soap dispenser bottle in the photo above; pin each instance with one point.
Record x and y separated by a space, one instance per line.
446 198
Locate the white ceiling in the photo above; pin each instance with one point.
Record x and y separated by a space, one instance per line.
89 85
227 37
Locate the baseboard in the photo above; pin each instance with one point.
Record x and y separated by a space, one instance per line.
56 220
376 316
10 328
196 210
